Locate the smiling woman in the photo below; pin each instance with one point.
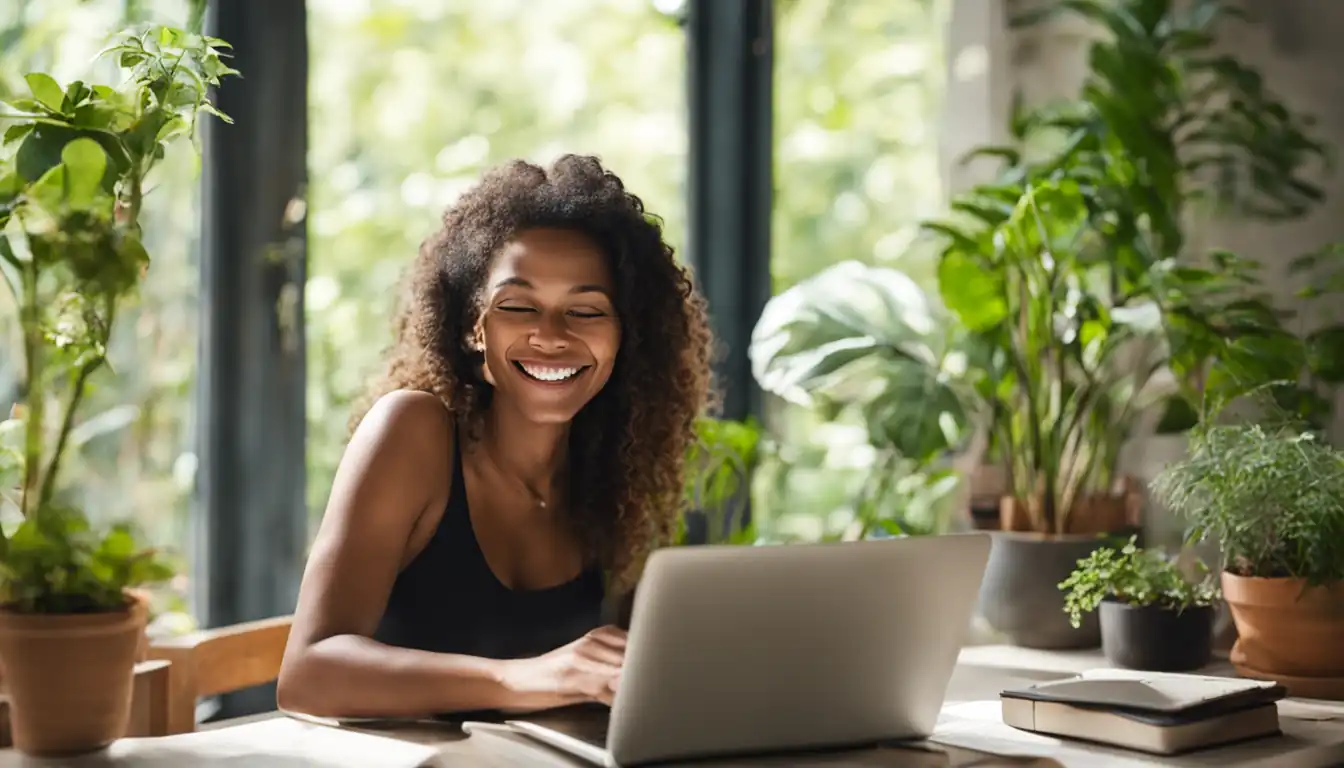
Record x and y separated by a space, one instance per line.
521 457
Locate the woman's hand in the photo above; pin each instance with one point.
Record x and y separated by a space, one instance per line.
586 670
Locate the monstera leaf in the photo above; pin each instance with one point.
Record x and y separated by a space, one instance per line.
864 338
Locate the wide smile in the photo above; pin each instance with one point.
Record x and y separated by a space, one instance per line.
548 374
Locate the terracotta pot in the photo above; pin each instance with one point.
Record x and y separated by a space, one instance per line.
1091 514
70 677
1013 515
141 598
1100 513
1284 632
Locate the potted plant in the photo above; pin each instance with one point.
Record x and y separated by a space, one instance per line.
1153 617
1272 496
72 182
1060 363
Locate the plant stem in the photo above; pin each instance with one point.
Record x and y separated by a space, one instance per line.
80 385
7 256
67 425
30 313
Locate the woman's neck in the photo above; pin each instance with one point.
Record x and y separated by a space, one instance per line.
530 453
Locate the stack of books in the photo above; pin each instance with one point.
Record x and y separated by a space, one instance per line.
1157 713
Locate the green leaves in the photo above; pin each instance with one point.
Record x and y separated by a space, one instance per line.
85 163
41 149
1135 576
1171 110
865 339
719 466
175 68
1253 364
11 461
55 563
46 91
1272 496
972 291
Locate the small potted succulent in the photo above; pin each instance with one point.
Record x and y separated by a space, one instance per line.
73 165
1153 615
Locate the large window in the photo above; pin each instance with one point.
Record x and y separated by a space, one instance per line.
409 102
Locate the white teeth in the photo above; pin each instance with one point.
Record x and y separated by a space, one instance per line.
548 373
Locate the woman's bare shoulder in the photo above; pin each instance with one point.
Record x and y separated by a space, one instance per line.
405 438
405 416
393 468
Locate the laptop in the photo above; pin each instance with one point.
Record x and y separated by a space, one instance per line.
759 650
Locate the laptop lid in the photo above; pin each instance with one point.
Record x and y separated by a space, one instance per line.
773 648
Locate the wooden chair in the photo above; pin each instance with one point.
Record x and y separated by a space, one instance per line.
178 671
204 663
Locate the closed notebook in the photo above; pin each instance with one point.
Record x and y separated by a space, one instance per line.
1159 713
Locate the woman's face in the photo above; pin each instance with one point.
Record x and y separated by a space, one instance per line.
549 327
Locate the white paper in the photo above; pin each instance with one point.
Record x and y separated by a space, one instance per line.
279 742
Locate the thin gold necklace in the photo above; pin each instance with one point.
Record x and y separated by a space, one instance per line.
536 498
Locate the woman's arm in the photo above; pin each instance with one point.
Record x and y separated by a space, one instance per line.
391 473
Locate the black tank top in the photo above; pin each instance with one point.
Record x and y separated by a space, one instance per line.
448 600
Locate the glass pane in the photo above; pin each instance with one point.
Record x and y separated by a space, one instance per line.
858 91
412 99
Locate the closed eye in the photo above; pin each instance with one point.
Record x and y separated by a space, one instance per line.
583 314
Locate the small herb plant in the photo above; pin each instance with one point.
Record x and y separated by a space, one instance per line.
1136 576
73 166
1272 496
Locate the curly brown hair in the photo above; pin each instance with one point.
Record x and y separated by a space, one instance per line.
628 445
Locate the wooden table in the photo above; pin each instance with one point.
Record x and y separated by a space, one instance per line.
969 733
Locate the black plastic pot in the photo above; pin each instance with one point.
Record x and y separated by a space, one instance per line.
1020 596
1156 639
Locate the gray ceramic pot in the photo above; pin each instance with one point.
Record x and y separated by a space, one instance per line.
1020 596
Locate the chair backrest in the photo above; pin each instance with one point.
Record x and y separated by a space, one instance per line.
206 663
